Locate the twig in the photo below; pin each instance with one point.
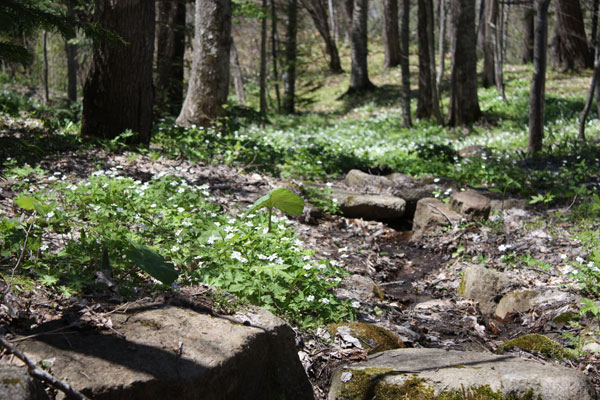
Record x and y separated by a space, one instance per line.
40 374
443 213
64 328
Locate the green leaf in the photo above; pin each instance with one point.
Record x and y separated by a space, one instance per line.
27 202
260 203
152 263
282 199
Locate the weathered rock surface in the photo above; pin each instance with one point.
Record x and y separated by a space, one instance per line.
470 205
484 286
407 371
358 287
357 178
170 352
370 337
507 204
370 206
17 384
431 214
520 301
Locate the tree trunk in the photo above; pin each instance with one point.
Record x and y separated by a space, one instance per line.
404 63
118 92
391 37
441 44
348 10
274 53
537 95
435 98
317 10
570 47
489 61
464 103
289 68
71 55
481 25
263 63
594 35
209 77
359 76
499 30
424 100
527 26
588 104
238 75
45 72
170 47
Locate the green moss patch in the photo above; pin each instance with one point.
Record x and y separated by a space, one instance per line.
374 338
539 343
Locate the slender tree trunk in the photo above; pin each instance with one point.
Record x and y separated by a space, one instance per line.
435 98
404 63
481 25
441 45
424 100
71 55
499 30
209 78
274 54
45 52
489 59
170 48
594 35
238 75
537 95
332 21
348 10
289 68
317 10
464 103
263 63
588 104
570 47
118 93
527 27
391 37
359 77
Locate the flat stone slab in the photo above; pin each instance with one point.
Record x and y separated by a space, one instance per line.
174 352
396 372
370 206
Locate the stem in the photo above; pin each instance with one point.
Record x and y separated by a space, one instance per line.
270 213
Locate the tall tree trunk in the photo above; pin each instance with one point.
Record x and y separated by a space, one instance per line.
499 40
424 100
570 47
464 103
263 63
45 72
317 10
404 63
209 77
359 76
274 54
289 68
489 60
527 26
441 44
481 25
170 48
238 75
71 55
435 98
537 95
594 35
391 37
118 92
348 10
588 104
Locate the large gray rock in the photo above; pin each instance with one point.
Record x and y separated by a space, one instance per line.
470 205
484 286
408 373
521 301
370 206
357 178
17 384
431 214
171 352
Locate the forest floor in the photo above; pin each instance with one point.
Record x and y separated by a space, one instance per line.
418 279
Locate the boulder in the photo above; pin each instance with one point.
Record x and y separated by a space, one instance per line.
425 373
360 288
484 286
164 351
17 384
514 302
370 206
357 178
470 205
431 214
365 336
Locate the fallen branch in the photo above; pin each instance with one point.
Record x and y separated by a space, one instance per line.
40 374
444 214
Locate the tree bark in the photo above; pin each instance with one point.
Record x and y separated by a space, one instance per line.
274 54
237 75
424 99
441 44
71 55
499 30
570 47
118 92
464 103
348 10
527 26
435 98
209 77
45 66
391 36
594 35
537 95
404 63
359 76
170 48
488 77
289 68
588 104
262 78
317 10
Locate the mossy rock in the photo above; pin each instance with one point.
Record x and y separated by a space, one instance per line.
535 342
566 317
373 338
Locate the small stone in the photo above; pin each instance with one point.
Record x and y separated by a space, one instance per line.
470 205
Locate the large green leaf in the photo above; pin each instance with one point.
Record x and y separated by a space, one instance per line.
282 199
152 263
26 202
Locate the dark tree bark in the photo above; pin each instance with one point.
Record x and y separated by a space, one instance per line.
441 44
570 47
489 60
594 35
209 77
424 99
71 55
274 54
527 27
262 74
435 99
118 92
537 95
317 9
359 76
170 47
588 104
464 103
347 11
45 66
481 25
289 68
404 63
237 75
391 36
